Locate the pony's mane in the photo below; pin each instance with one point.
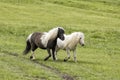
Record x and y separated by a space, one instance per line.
49 35
52 33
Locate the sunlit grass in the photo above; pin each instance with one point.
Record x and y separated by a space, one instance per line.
98 20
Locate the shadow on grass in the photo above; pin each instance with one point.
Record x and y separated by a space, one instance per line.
57 61
69 61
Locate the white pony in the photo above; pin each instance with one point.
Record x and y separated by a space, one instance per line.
70 43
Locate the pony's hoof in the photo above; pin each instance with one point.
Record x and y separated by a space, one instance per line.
32 58
54 59
45 59
65 60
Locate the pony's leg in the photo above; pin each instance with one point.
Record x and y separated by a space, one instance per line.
48 50
54 54
56 50
32 57
34 47
68 55
74 54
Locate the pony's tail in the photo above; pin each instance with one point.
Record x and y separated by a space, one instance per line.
28 47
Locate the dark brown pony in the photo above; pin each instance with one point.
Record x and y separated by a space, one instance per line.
44 40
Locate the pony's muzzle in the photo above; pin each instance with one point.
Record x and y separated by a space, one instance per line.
82 44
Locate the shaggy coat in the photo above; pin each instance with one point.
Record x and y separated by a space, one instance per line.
44 40
70 43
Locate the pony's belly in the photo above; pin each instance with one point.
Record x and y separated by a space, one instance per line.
72 47
42 47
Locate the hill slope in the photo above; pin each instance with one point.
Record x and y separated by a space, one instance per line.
99 20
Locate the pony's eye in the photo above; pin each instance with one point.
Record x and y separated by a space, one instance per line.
80 38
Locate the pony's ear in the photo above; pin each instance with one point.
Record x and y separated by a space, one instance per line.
61 30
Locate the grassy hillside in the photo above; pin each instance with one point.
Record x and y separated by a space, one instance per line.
98 19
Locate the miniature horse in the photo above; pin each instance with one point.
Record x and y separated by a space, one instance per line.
70 43
44 40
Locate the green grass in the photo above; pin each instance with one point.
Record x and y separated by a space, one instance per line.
98 19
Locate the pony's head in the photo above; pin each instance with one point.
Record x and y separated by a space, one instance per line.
81 39
61 33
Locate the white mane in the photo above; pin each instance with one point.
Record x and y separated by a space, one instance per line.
49 35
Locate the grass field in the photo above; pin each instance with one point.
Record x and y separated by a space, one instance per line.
99 20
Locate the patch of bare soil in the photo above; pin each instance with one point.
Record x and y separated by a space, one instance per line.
64 76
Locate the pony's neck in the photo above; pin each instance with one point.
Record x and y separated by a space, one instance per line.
51 35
